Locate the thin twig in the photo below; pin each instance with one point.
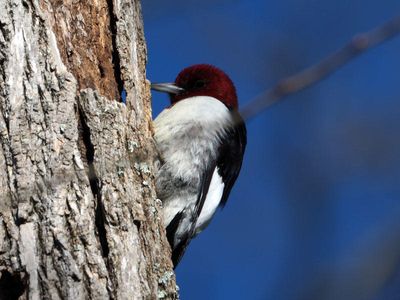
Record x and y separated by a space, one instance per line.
312 75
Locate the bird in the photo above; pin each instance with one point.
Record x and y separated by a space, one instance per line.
201 140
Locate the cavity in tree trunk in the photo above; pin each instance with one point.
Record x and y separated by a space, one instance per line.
79 217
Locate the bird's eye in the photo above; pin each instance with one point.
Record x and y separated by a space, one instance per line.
199 84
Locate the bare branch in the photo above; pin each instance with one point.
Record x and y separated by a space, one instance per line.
312 75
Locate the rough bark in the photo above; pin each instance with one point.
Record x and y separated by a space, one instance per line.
79 218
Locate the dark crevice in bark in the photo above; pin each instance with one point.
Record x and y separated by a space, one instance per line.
6 113
94 185
115 55
12 286
100 220
102 71
89 155
19 221
137 224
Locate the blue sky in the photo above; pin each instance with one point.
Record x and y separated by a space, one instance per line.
315 213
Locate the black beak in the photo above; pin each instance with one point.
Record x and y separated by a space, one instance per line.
170 88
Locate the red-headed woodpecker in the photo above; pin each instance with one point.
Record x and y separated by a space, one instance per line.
201 139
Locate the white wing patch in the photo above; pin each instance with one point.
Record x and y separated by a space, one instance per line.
212 201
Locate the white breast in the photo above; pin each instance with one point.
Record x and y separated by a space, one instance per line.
188 134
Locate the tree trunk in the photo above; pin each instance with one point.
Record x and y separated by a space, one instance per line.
79 217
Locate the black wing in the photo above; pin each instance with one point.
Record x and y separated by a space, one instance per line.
231 155
178 249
